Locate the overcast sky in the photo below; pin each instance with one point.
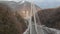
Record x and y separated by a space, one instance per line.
44 3
48 3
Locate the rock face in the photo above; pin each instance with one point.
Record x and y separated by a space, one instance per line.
50 17
24 9
10 21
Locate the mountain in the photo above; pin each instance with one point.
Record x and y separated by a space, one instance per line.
11 4
27 5
24 9
10 23
50 17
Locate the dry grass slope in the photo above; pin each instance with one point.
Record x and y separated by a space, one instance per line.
10 23
50 17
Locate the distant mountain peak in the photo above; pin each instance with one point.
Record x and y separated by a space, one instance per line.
26 5
23 2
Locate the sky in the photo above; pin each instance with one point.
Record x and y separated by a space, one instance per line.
48 3
44 3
